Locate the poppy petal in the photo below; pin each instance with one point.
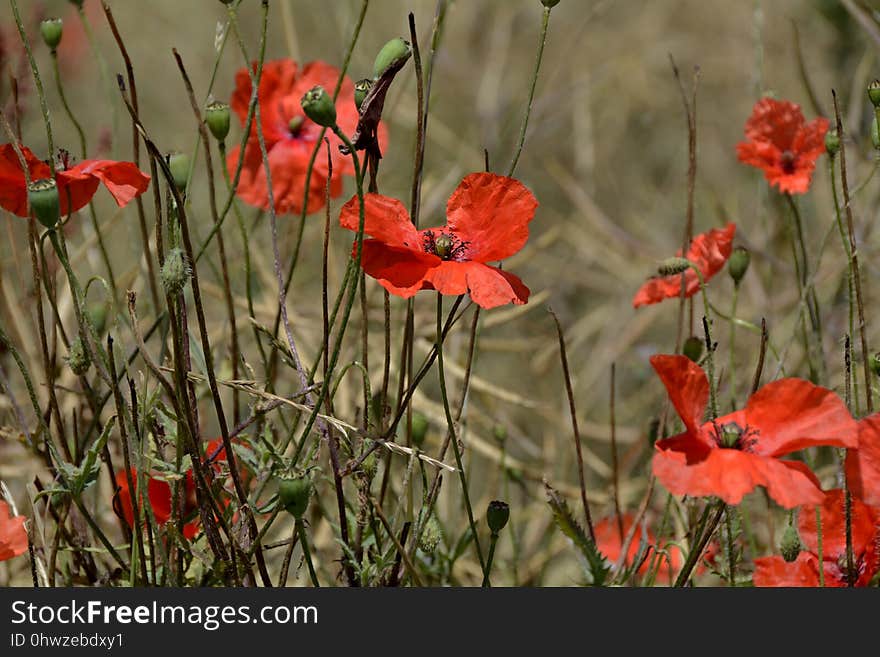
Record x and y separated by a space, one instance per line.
863 464
123 180
791 414
385 219
13 191
489 287
491 214
776 121
863 524
687 387
776 572
399 270
13 535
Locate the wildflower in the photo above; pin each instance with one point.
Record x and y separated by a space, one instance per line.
782 144
804 570
290 136
76 185
487 220
609 543
13 535
730 456
708 252
863 463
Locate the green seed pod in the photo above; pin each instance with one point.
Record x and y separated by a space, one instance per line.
738 264
391 52
43 197
78 357
549 3
431 536
874 93
217 118
179 164
319 107
293 495
175 272
497 515
419 429
51 30
832 142
790 545
673 266
361 89
693 348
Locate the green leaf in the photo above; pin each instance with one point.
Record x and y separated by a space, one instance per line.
597 567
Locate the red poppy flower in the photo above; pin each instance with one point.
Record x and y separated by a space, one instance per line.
609 543
863 464
13 535
160 497
290 136
76 185
708 251
782 144
804 571
727 458
487 220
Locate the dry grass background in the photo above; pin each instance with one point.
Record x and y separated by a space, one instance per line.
606 155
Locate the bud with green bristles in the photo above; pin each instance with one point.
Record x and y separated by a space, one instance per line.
217 118
673 266
790 546
419 429
78 357
361 89
319 107
391 52
497 515
738 264
43 197
175 272
179 164
693 348
293 495
431 536
51 30
874 93
832 142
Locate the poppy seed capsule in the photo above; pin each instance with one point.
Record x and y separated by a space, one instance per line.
738 264
693 348
50 30
319 107
874 93
419 429
790 546
78 357
43 197
394 50
361 90
673 266
175 272
217 118
832 142
179 165
497 515
549 3
293 495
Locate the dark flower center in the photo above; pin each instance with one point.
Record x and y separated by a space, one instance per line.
841 572
445 246
787 161
733 436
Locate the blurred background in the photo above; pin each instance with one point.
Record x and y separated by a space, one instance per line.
606 156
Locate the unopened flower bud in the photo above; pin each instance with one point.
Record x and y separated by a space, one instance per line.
874 93
319 107
179 164
50 30
431 536
78 357
217 118
370 466
391 52
790 546
293 495
549 3
875 364
693 348
738 264
419 429
832 142
361 89
97 315
43 197
175 272
673 266
497 515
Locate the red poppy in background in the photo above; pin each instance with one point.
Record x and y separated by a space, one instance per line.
290 136
708 251
729 457
13 535
609 543
487 219
76 185
863 463
804 571
782 144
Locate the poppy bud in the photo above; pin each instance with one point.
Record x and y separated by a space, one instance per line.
293 495
78 357
43 197
179 165
431 536
738 264
319 107
97 315
217 118
500 432
673 266
391 52
361 89
874 93
419 429
175 272
50 30
370 466
549 3
693 348
790 546
497 515
875 363
832 142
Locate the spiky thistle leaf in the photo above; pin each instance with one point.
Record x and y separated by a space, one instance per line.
597 567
